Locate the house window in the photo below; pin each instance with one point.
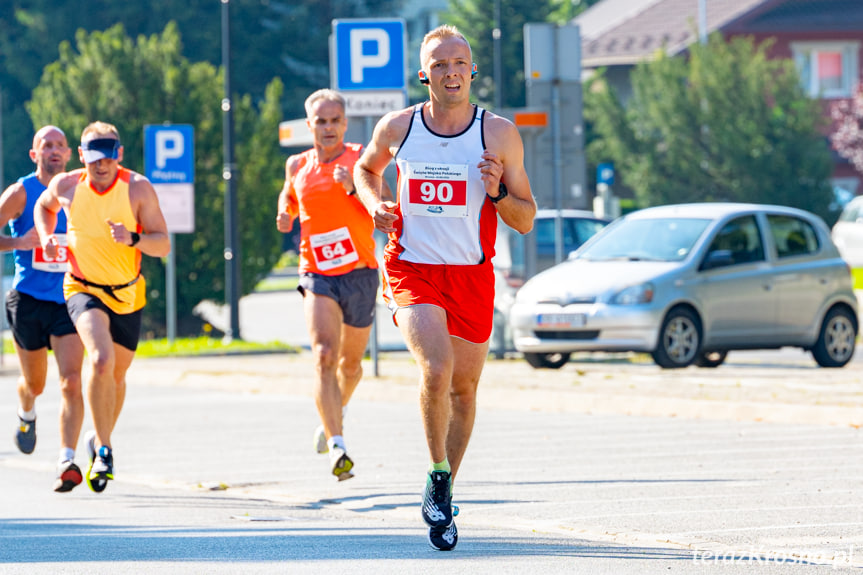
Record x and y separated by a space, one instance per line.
827 69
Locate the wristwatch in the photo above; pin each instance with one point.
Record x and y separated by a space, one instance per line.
136 237
502 193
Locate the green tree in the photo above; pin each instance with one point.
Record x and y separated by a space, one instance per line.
269 39
131 83
725 124
475 19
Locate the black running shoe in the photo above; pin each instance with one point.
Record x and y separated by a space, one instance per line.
68 477
25 436
443 538
437 499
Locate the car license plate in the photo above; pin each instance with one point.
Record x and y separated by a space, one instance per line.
561 320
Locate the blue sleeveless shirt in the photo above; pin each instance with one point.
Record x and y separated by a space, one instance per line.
40 284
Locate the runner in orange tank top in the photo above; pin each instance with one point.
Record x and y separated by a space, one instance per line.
338 270
113 217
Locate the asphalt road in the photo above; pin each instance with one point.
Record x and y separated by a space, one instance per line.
609 465
606 466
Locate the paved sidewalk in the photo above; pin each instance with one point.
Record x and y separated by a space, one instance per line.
744 389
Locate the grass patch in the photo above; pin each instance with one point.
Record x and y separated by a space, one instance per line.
190 347
206 346
277 283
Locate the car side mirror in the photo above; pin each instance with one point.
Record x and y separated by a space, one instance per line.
717 259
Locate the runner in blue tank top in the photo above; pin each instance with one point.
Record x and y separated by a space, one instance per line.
36 310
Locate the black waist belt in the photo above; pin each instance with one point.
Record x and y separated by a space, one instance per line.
108 289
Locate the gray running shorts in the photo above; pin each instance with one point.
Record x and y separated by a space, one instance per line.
355 292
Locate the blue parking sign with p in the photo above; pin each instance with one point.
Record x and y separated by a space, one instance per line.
169 154
370 54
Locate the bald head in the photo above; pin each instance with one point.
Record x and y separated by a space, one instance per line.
44 131
50 152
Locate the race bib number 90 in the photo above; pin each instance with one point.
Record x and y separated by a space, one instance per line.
437 190
59 264
333 249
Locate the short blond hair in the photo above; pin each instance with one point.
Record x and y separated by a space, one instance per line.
323 94
441 33
99 129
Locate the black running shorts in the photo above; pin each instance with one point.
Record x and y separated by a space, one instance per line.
125 328
33 321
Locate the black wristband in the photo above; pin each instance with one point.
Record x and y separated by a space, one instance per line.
502 193
136 237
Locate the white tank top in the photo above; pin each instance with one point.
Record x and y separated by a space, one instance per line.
441 196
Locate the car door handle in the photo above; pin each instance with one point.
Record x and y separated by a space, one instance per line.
768 287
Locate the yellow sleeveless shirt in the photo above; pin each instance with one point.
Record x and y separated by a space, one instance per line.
94 255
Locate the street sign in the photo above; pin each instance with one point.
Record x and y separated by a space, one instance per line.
605 174
295 133
369 54
373 103
169 164
552 52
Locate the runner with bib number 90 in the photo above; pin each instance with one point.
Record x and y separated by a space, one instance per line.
459 167
338 270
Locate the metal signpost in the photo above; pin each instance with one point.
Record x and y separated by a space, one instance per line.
552 61
368 63
169 164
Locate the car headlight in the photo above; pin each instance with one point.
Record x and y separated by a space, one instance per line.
633 295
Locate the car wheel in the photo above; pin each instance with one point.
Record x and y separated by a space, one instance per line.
835 345
679 339
547 360
711 358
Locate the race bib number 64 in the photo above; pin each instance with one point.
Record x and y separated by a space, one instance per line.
333 249
437 190
60 263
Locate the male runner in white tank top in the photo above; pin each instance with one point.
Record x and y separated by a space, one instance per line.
453 159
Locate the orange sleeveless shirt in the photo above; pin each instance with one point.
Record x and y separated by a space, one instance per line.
93 253
336 231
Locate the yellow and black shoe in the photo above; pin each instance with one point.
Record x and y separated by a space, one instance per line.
101 467
342 464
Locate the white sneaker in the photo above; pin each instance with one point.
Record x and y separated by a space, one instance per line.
320 440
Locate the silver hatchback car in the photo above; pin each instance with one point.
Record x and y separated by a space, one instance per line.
687 283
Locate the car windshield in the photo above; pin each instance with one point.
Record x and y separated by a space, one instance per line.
660 239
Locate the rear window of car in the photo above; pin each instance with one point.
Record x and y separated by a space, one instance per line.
792 236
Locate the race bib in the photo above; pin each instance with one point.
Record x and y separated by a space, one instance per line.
333 249
59 264
437 190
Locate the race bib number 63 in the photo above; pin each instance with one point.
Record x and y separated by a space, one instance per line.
60 263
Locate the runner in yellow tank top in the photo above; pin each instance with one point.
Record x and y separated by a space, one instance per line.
113 217
104 261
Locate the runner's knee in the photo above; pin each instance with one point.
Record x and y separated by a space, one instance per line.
325 355
70 385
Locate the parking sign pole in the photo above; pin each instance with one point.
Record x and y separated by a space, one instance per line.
171 292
